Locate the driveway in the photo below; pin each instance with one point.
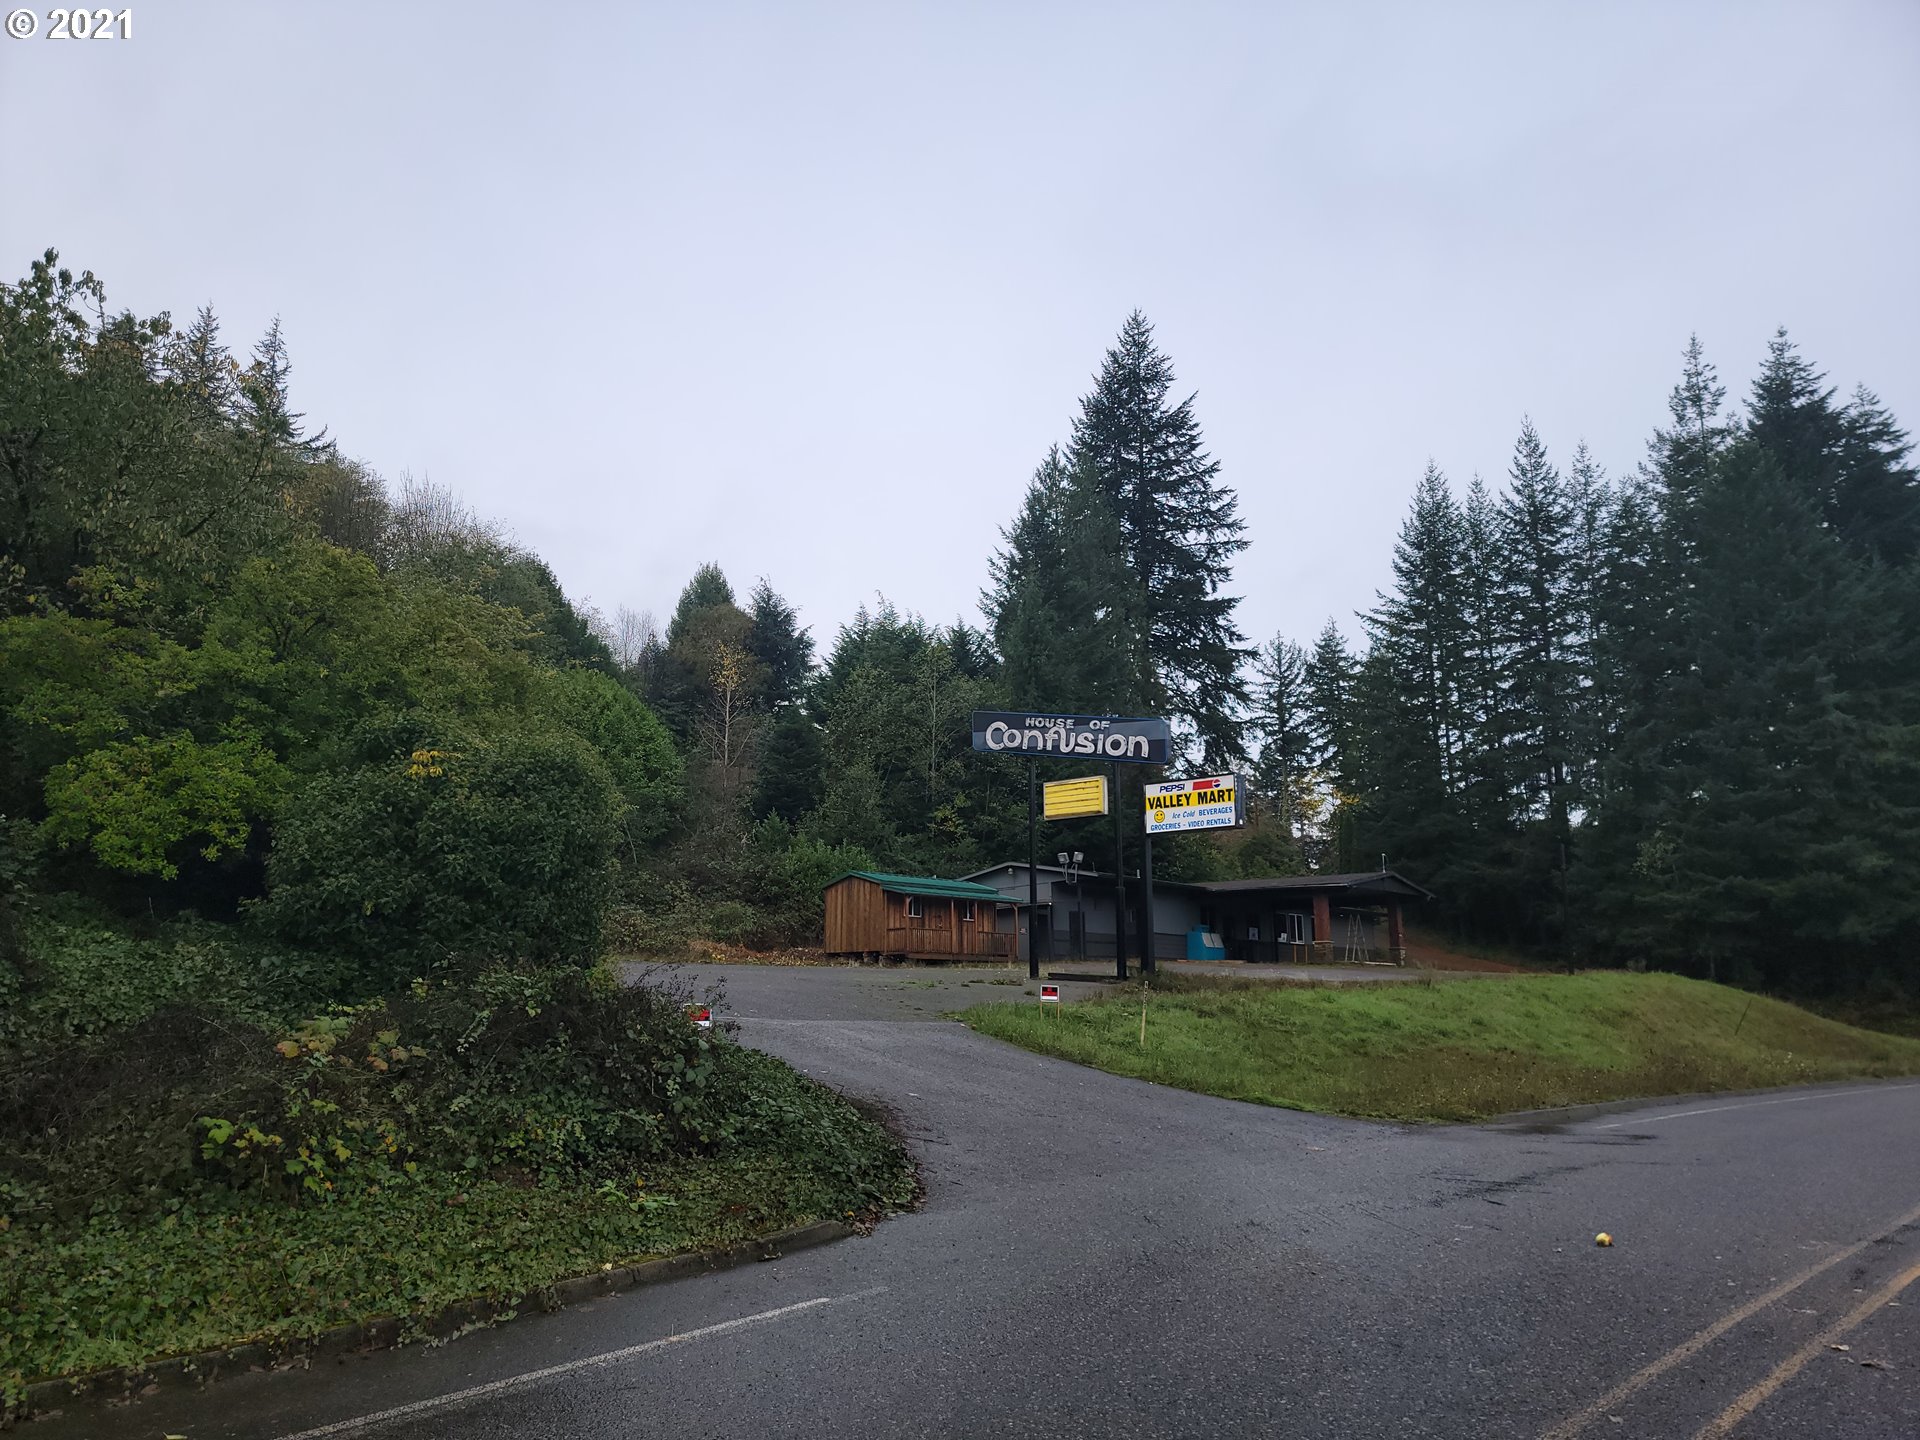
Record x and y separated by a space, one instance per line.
1104 1257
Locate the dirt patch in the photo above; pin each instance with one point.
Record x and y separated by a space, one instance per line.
1435 953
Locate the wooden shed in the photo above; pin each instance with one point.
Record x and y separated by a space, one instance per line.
917 917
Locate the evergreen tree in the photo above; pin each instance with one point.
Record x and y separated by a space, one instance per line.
1421 628
198 363
1484 771
1850 459
1282 719
782 650
1681 458
264 405
708 633
1329 676
1056 598
1763 839
1178 533
1545 659
707 590
787 781
1407 775
1760 795
1591 536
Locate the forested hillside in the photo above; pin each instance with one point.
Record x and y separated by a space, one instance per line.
1670 714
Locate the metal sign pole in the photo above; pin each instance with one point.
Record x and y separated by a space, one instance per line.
1119 886
1033 871
1147 965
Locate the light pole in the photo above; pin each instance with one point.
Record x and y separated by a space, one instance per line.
1071 864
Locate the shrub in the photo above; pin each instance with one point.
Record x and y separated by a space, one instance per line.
638 751
540 1073
497 848
784 876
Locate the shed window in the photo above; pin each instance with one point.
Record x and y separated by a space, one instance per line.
966 911
914 911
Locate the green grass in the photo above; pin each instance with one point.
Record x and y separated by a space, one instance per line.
123 1291
1459 1050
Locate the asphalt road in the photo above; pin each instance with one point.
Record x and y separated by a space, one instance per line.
1104 1257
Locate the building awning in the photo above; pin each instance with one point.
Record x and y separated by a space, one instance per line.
1361 885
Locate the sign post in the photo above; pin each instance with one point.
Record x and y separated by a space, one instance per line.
1117 739
1033 878
1119 891
1149 964
1174 807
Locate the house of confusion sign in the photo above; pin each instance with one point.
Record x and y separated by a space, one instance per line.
1138 740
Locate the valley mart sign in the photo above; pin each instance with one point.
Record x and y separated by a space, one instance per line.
1212 803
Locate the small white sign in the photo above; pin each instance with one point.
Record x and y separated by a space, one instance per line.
1049 992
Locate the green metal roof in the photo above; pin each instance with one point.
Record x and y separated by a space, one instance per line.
925 885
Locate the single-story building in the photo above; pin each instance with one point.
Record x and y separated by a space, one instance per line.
1287 918
918 917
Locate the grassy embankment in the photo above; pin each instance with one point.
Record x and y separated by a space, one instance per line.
1460 1050
187 1165
129 1291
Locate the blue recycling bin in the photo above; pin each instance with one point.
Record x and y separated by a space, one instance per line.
1203 944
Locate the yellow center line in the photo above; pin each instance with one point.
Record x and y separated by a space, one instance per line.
1692 1346
1722 1426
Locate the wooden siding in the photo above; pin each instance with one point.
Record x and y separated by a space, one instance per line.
863 919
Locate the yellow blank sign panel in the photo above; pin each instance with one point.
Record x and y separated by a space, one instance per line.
1067 798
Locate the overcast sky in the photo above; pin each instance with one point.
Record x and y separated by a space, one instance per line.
808 290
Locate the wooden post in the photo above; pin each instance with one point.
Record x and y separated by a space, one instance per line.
1396 934
1322 927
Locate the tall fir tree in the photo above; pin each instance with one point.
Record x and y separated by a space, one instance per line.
1850 459
1485 774
1329 674
1422 628
1056 601
1762 795
1281 718
780 647
1179 529
1544 662
1408 774
787 778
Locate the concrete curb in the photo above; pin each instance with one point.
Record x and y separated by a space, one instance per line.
125 1382
1570 1113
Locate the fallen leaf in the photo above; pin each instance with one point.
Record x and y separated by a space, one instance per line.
1841 1348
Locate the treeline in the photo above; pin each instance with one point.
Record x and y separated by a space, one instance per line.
317 797
237 671
1665 717
1670 717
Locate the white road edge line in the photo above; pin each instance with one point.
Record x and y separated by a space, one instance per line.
1750 1104
570 1367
